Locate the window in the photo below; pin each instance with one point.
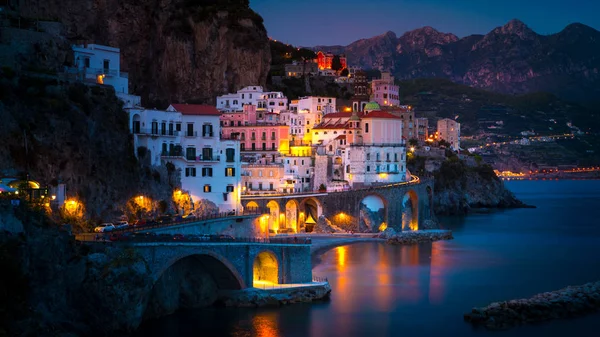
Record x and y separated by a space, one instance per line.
163 128
178 127
270 173
368 156
207 153
387 156
207 130
368 168
190 171
106 65
253 146
229 188
243 147
230 172
260 186
264 136
270 186
154 127
260 173
207 189
190 153
86 62
207 172
164 149
230 154
242 96
366 127
250 186
190 130
395 157
378 157
273 135
347 168
273 146
264 146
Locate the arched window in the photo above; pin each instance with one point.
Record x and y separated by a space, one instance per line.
347 168
366 127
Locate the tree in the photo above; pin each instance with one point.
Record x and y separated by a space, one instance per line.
344 72
322 188
413 142
336 63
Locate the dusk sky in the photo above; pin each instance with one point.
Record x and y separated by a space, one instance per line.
330 22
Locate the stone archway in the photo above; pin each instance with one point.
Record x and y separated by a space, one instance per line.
190 282
265 269
373 214
310 211
274 220
251 206
410 211
291 216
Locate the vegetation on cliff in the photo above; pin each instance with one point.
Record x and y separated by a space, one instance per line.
77 135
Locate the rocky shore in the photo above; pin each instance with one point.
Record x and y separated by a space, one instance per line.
414 237
254 297
567 302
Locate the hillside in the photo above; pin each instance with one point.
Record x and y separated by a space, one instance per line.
174 51
510 59
77 135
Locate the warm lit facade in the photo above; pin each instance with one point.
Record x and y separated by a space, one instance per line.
449 130
272 101
188 136
299 69
314 104
324 60
300 124
259 137
384 91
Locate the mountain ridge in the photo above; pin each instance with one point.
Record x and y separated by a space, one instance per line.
511 58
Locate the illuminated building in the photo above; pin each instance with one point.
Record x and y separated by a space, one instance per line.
324 60
384 91
449 130
299 69
271 101
102 65
361 91
188 136
422 126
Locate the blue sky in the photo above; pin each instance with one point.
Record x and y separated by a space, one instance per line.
316 22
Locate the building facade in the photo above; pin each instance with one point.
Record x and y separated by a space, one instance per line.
384 91
422 127
271 101
449 130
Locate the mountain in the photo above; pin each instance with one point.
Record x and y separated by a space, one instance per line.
510 59
174 51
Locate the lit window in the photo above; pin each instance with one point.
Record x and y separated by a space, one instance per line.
207 189
229 172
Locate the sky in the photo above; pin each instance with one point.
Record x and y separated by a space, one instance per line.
332 22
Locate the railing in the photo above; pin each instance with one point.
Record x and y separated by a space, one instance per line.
402 144
191 134
143 237
208 134
320 279
170 155
156 132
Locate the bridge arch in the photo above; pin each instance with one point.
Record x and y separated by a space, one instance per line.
292 210
191 281
274 220
373 212
265 269
410 211
251 206
310 211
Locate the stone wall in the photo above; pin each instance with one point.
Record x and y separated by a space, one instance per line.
242 227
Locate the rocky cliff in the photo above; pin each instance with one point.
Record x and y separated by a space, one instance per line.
509 59
173 50
77 135
459 189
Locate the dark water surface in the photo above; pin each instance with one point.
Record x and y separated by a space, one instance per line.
381 290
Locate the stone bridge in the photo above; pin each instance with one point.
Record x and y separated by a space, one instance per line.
402 206
231 265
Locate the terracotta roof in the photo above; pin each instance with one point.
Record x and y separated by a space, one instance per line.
337 115
341 137
196 109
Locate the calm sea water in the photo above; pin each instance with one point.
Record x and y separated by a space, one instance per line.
381 290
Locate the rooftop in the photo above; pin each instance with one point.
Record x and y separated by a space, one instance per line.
196 109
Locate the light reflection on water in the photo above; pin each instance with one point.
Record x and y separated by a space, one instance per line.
423 290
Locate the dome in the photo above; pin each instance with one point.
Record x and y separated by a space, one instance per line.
371 106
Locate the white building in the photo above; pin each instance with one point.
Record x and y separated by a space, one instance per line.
301 124
449 130
384 91
188 136
102 65
273 101
313 104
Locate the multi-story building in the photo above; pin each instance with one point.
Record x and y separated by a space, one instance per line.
313 104
449 130
299 69
422 127
273 101
324 60
384 91
300 124
361 91
188 136
364 148
102 65
407 115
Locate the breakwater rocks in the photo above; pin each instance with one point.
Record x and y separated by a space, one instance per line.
567 302
255 297
414 237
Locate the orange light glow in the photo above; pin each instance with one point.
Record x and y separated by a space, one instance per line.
341 252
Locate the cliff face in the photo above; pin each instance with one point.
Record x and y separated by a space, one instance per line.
173 50
77 135
509 59
459 188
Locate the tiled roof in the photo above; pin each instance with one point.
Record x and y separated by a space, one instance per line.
379 114
341 137
197 109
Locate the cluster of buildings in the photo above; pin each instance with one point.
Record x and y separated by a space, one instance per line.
322 65
258 142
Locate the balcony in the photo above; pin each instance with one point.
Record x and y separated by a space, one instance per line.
172 155
156 133
191 134
208 134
